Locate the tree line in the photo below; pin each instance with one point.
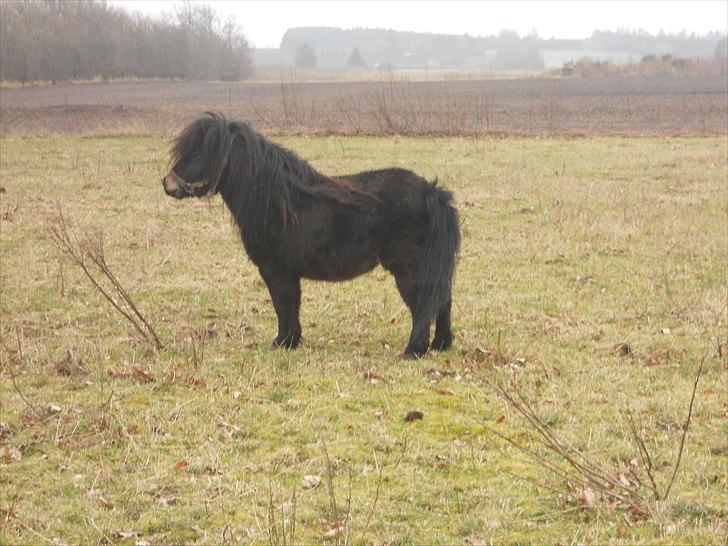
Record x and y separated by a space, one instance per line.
57 40
333 47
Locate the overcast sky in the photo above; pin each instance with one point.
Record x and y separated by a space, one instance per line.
264 22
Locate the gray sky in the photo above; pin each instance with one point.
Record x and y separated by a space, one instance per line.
264 22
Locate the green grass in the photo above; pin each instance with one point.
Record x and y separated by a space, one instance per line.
570 247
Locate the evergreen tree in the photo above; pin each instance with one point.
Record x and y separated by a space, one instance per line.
305 56
356 58
721 49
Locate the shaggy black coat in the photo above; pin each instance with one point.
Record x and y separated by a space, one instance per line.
298 223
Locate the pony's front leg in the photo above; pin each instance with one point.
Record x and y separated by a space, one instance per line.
285 291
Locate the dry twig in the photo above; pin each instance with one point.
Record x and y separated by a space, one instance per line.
21 358
685 428
89 256
578 469
279 533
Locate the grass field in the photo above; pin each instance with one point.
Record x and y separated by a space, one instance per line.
570 249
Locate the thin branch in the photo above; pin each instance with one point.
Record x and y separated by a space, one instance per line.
330 485
586 470
587 467
539 483
580 469
401 455
292 539
685 428
100 261
577 466
380 478
9 514
92 253
12 375
272 530
644 456
560 472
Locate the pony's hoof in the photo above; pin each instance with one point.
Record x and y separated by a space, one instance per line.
287 343
410 354
441 344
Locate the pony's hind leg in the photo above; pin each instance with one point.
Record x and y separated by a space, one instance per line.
285 291
443 328
420 337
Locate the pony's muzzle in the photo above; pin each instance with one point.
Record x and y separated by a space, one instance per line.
172 187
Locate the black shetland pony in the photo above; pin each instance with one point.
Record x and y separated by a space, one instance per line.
298 223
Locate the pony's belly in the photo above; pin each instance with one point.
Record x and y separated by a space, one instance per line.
339 266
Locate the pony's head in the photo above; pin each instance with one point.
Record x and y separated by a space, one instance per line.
199 156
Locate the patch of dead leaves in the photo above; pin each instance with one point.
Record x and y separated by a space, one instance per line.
70 365
334 531
5 431
10 455
137 373
442 462
182 464
661 356
195 383
586 498
98 494
438 375
372 376
309 481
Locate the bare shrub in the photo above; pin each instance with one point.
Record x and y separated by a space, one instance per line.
291 104
584 479
64 40
649 65
281 528
88 254
340 526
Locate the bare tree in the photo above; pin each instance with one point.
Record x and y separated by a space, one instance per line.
56 40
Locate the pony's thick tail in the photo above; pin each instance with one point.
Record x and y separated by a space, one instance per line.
438 266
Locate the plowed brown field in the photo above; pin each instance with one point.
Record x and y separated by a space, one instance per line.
567 106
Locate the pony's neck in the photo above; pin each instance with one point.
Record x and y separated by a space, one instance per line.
254 189
233 192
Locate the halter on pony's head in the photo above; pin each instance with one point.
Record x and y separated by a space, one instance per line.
199 156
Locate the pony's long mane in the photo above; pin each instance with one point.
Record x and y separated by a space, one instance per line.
259 180
207 135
